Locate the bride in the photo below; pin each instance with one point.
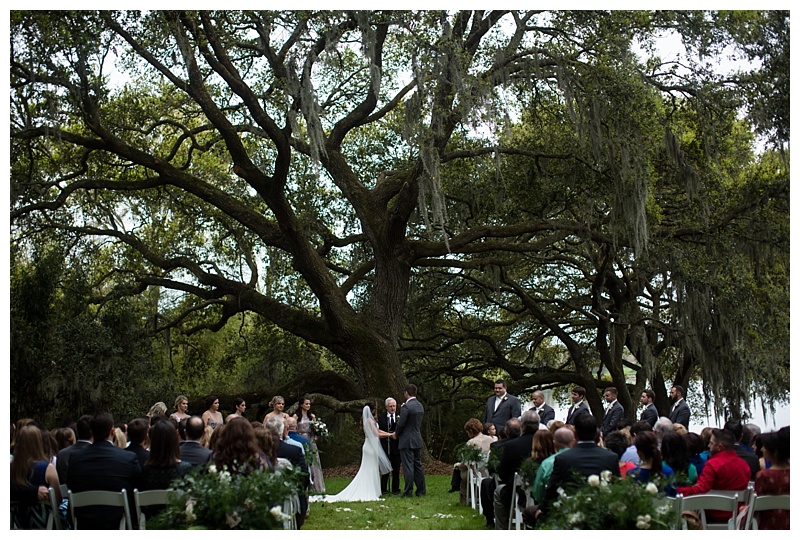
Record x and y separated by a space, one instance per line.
366 486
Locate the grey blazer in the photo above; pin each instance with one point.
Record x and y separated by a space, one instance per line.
408 425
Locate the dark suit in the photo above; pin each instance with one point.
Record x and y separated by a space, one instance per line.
575 410
410 446
649 415
514 453
545 412
586 458
680 414
508 408
750 458
295 456
390 447
195 453
488 485
142 454
613 415
62 459
104 467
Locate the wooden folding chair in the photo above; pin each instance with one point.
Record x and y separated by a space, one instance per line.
118 499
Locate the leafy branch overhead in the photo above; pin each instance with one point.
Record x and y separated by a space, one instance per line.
426 195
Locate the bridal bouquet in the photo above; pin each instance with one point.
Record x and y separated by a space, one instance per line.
319 429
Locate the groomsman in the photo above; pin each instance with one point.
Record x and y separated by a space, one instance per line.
579 406
680 412
501 407
614 411
387 422
545 411
649 414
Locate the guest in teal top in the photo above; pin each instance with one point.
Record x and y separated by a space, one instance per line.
563 439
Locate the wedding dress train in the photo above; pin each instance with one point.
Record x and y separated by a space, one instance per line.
366 486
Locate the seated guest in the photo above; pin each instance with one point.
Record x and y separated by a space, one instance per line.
237 448
663 425
479 440
618 443
83 433
191 450
775 480
694 444
138 432
268 443
651 465
724 470
675 454
64 437
735 427
164 463
563 439
102 467
705 434
490 430
30 469
631 453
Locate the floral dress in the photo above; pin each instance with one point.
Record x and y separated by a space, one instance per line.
314 465
772 482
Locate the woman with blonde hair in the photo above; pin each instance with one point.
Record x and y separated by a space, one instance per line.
181 406
159 408
277 403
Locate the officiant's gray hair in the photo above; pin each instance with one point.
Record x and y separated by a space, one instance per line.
388 399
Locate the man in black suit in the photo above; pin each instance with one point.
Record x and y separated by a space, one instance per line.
138 436
502 406
579 406
649 414
102 467
409 437
546 412
514 453
295 456
387 422
680 412
513 430
83 432
191 449
585 457
614 411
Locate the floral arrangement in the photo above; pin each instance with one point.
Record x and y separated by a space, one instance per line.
207 498
469 453
319 429
610 502
528 469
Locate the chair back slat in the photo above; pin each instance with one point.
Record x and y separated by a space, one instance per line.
117 499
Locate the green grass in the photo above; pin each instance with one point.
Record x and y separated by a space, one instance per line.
438 510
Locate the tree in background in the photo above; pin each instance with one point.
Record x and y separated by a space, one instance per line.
562 206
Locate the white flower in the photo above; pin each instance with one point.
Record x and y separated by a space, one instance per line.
232 520
212 469
225 477
594 480
189 512
651 488
276 511
643 522
577 517
605 476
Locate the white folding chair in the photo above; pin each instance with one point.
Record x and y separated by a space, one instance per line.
701 503
758 503
291 506
54 521
118 499
515 512
144 499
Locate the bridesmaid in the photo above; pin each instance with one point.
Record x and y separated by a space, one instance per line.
212 417
181 406
304 417
277 403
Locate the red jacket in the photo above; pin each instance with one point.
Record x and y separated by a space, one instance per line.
723 470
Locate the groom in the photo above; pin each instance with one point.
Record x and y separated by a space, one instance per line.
410 445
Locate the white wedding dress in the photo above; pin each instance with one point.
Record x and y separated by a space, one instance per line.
366 486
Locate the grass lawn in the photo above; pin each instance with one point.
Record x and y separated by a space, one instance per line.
438 510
